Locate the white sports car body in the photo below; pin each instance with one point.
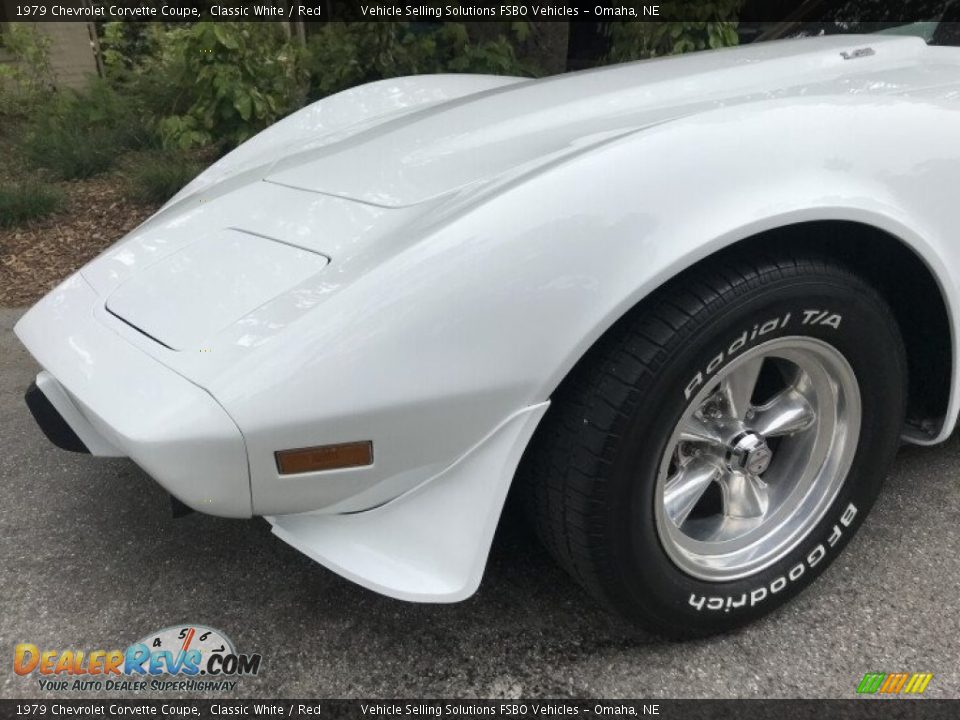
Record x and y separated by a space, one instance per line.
397 279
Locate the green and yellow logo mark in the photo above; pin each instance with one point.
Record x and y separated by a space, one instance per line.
894 683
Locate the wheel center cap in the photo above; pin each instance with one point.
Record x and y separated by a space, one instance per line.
749 452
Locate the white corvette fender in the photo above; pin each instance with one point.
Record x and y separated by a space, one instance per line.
418 263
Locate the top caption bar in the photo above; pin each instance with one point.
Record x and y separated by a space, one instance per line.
861 11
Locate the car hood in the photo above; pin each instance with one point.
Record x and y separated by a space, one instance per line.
452 145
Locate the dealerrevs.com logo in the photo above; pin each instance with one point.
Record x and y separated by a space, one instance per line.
197 657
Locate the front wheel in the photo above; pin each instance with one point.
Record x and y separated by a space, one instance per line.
717 449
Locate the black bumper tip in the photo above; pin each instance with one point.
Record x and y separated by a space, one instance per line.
178 508
51 422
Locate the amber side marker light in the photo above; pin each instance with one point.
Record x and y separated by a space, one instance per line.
324 457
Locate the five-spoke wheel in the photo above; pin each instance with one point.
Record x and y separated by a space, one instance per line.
757 457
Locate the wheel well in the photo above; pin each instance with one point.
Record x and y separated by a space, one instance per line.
906 283
901 277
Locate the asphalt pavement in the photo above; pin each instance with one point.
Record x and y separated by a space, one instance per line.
91 558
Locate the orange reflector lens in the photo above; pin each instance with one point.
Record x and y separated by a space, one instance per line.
325 457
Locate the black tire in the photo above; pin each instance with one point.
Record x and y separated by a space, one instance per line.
589 477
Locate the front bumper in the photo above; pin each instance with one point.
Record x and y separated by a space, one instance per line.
50 420
117 400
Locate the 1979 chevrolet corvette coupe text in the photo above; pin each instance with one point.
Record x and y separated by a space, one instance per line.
685 308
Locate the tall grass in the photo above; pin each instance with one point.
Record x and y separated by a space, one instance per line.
27 201
78 134
157 177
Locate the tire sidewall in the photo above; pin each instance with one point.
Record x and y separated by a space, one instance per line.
847 316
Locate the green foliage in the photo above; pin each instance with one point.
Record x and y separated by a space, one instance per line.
124 45
77 134
343 54
154 79
220 83
712 25
27 80
28 200
453 51
157 177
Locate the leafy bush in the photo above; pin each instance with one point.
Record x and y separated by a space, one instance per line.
220 83
27 80
125 45
142 65
158 177
28 200
76 134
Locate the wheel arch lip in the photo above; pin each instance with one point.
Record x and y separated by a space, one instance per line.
927 252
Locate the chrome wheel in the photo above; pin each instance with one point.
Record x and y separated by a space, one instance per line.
757 457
